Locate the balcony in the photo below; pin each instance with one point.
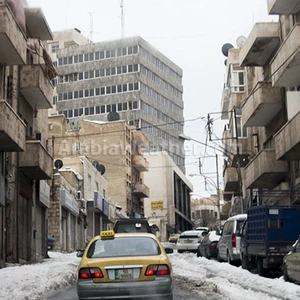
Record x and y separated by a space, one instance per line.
13 48
235 100
141 190
260 44
36 162
225 104
283 7
264 172
262 106
286 63
239 157
140 163
12 129
231 182
287 140
36 24
36 87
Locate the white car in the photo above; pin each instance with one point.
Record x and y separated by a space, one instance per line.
189 240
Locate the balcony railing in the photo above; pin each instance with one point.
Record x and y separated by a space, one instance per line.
36 162
286 63
287 140
140 163
262 106
12 129
260 45
36 87
141 190
283 7
264 171
13 47
231 182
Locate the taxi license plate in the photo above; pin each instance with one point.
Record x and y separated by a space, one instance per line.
124 274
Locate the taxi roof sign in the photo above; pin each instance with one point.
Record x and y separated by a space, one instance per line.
108 234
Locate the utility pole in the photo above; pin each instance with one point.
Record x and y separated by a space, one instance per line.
240 188
218 192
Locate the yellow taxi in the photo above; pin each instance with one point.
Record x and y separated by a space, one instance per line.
125 266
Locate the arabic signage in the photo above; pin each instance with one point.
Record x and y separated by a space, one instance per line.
44 195
105 207
98 203
156 205
68 201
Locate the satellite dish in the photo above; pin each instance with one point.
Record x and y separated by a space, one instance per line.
95 163
113 116
58 164
240 41
225 62
225 49
101 169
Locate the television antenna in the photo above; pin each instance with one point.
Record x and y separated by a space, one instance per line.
122 19
91 26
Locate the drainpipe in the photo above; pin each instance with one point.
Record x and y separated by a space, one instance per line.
17 174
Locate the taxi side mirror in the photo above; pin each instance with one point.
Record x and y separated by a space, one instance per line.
79 253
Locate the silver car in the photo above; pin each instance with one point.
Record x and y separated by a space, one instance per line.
229 242
189 240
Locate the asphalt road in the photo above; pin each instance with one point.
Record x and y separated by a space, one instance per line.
182 290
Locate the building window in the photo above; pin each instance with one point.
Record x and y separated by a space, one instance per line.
55 47
77 146
237 79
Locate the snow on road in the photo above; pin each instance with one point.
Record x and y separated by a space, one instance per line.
230 282
208 279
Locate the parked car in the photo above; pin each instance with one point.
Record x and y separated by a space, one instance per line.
208 246
189 240
202 228
50 244
229 242
291 263
173 238
118 265
132 225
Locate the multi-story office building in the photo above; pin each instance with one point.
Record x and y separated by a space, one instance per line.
126 79
265 166
25 155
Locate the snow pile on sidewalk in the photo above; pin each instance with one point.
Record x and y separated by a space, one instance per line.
32 281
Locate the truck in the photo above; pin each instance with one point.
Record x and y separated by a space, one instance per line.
265 236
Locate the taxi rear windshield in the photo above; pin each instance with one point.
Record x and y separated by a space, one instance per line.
123 246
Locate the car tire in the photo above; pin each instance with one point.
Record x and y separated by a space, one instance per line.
219 259
198 253
206 254
244 262
285 275
229 259
180 251
260 269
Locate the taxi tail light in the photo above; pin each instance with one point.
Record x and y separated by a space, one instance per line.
153 270
86 273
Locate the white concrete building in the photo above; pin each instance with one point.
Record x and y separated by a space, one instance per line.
168 205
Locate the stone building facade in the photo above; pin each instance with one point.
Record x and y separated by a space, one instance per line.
261 103
113 146
25 153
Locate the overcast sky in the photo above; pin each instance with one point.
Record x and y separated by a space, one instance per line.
189 32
